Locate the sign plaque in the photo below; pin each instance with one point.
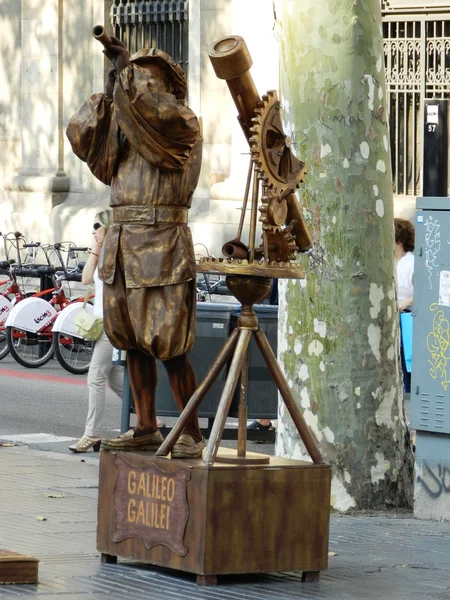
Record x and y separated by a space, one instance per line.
150 504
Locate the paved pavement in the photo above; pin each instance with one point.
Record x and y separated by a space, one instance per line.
390 556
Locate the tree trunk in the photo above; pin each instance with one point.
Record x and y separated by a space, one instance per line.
338 328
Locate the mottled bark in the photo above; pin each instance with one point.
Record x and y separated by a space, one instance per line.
339 328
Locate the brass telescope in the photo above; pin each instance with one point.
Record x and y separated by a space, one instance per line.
102 36
232 62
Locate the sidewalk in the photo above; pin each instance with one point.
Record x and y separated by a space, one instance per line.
388 557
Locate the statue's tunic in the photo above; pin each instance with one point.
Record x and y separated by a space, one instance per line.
147 146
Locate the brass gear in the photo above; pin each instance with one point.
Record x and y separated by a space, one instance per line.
271 148
273 211
280 241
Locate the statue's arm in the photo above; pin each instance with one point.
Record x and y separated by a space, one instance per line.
162 130
93 135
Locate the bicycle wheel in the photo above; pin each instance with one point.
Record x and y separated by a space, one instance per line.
30 350
4 350
73 353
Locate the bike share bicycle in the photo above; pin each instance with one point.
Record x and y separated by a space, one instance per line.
207 284
12 292
73 352
32 332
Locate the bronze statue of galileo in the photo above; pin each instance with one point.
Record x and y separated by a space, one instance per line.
141 139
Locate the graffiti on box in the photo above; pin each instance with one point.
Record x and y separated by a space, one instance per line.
438 345
432 247
435 481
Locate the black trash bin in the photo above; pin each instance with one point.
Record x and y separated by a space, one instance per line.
262 394
211 333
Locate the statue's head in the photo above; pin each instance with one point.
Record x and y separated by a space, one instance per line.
174 73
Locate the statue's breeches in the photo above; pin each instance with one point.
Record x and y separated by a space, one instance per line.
159 321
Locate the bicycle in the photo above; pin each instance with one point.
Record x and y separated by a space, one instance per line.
13 293
209 284
29 328
74 353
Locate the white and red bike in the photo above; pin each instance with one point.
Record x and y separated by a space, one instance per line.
36 328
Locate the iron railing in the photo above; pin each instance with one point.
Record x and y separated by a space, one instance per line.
414 6
159 24
417 61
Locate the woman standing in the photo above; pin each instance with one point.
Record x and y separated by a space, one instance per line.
101 368
404 259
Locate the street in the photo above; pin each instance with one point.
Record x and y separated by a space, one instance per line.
46 408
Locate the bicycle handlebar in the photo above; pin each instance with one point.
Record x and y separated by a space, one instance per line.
46 270
25 272
73 277
70 275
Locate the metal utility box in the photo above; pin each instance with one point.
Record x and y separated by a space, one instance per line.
430 379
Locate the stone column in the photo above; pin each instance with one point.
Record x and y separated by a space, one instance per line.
40 182
10 59
42 167
84 73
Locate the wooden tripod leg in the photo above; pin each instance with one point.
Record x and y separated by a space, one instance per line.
243 411
240 355
288 398
199 394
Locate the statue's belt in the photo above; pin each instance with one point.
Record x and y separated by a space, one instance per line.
150 215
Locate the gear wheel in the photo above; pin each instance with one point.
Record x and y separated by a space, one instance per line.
281 243
271 148
273 211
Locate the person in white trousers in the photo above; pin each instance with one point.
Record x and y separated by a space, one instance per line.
101 369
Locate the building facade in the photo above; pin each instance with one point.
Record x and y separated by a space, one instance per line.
50 63
417 58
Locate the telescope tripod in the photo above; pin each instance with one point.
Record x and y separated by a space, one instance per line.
248 290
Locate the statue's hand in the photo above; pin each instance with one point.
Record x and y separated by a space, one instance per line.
117 54
109 87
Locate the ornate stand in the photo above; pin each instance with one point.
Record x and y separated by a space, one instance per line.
248 290
277 172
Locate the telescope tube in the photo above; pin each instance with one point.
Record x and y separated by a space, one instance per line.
231 61
102 36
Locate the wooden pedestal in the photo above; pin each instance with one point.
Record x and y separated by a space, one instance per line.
16 568
214 520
